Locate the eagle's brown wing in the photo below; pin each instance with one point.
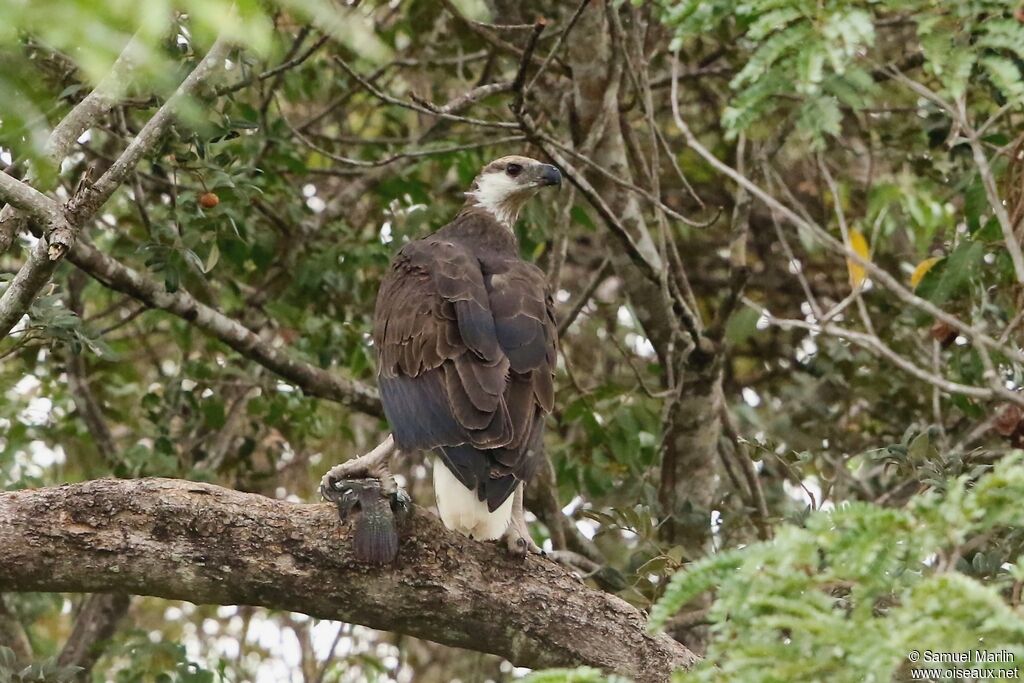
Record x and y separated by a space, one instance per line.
466 352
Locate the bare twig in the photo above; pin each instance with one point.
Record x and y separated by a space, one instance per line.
326 664
937 396
977 337
467 98
602 272
959 113
875 345
858 287
389 99
411 154
560 240
524 62
558 43
749 473
95 624
489 35
995 201
97 194
89 409
651 197
286 65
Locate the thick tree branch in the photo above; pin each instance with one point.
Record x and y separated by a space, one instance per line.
189 541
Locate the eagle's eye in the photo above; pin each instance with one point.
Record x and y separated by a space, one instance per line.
514 169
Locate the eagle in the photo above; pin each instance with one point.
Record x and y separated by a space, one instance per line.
466 342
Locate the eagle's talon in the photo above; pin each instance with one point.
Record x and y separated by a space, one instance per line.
331 483
519 543
400 500
401 505
517 535
342 495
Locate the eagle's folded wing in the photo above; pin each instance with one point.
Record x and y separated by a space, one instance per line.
466 357
441 371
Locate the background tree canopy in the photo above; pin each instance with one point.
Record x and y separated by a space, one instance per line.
787 264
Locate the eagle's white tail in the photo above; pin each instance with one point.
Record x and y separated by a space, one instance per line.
461 510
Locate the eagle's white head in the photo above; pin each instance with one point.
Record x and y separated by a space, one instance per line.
504 185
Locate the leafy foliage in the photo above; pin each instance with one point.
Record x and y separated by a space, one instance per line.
847 595
808 59
45 672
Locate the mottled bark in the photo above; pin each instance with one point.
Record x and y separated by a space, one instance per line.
190 541
690 457
689 473
596 79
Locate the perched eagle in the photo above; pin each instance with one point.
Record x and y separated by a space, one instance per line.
466 346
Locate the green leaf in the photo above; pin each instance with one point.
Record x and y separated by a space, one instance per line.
919 448
949 277
741 326
212 258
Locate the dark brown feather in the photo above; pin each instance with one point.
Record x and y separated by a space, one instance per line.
466 346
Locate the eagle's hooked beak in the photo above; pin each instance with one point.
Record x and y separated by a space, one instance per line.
550 175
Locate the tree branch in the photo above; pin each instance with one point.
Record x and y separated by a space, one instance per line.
184 540
12 634
875 345
276 71
95 624
64 224
82 117
98 193
496 41
389 99
28 200
981 340
312 380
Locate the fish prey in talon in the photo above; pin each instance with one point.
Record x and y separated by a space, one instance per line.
377 515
